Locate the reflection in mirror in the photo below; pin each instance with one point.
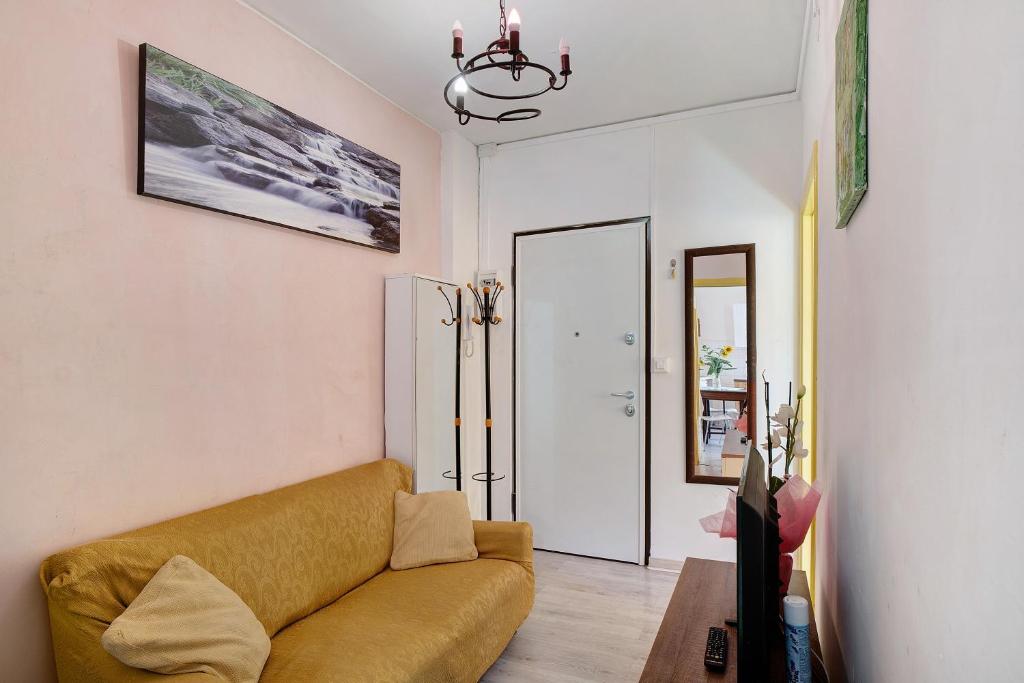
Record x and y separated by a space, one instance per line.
720 361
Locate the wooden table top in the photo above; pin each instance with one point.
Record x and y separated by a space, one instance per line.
723 393
732 446
705 596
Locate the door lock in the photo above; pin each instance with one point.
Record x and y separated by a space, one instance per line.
630 410
630 339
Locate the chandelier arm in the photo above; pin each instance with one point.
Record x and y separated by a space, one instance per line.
508 116
496 48
483 67
565 82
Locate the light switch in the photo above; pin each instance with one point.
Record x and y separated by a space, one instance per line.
660 364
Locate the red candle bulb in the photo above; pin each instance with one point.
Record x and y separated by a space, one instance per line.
457 40
513 31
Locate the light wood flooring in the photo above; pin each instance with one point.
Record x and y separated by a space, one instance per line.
711 456
592 621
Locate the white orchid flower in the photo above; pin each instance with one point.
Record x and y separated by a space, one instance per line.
777 458
798 450
784 415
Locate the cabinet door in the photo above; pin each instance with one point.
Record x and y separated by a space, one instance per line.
435 388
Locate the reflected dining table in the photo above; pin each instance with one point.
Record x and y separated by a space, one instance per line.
738 395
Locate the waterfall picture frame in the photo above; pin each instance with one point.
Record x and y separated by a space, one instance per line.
208 143
851 109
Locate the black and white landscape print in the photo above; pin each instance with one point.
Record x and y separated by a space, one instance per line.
206 142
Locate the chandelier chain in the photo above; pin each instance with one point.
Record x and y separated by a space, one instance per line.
502 25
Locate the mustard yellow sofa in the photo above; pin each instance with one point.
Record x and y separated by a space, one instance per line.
311 560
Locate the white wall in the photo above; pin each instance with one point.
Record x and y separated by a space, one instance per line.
920 546
720 178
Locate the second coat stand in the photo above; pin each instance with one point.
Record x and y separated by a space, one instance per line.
485 303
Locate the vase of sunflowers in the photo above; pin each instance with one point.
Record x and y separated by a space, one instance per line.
715 360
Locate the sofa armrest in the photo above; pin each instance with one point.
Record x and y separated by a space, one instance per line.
511 541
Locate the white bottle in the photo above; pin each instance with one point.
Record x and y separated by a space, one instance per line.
796 616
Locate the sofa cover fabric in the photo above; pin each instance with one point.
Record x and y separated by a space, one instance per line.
287 554
422 625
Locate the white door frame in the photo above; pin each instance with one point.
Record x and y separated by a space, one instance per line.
644 551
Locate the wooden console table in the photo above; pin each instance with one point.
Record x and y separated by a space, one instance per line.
705 596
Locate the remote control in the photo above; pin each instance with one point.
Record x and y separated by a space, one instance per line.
717 648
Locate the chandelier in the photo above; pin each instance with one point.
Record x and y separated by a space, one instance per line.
503 53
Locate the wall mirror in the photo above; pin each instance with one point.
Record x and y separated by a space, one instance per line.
721 361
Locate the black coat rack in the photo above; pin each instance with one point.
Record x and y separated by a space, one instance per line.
457 321
485 303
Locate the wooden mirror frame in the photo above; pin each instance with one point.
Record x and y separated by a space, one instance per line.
688 408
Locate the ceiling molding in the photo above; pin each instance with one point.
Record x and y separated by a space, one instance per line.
804 45
698 112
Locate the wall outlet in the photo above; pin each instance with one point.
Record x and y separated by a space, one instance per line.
661 364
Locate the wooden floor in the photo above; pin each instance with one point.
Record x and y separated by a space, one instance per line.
592 621
711 456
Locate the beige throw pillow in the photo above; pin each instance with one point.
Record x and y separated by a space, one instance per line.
432 528
186 621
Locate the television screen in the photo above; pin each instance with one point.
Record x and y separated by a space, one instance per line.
759 631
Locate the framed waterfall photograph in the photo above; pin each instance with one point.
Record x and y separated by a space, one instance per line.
851 109
209 143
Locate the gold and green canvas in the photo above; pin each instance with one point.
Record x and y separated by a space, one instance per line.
851 109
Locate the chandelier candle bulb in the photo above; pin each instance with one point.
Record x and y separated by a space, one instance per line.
460 94
513 31
457 40
563 50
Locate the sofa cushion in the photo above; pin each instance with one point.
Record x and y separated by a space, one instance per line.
286 553
186 621
443 624
432 528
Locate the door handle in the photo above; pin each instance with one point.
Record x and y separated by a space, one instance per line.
628 395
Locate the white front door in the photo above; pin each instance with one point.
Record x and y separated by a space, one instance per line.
580 339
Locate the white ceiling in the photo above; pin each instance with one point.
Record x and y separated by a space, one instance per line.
630 59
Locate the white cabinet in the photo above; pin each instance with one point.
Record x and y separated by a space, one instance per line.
419 379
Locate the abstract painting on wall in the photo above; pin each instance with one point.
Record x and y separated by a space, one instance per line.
851 109
208 143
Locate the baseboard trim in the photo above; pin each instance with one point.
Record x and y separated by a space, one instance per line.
660 564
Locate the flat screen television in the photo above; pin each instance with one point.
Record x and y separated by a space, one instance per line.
758 603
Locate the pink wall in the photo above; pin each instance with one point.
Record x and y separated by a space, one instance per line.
156 359
919 537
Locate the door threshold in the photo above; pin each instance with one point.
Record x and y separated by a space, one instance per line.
589 557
